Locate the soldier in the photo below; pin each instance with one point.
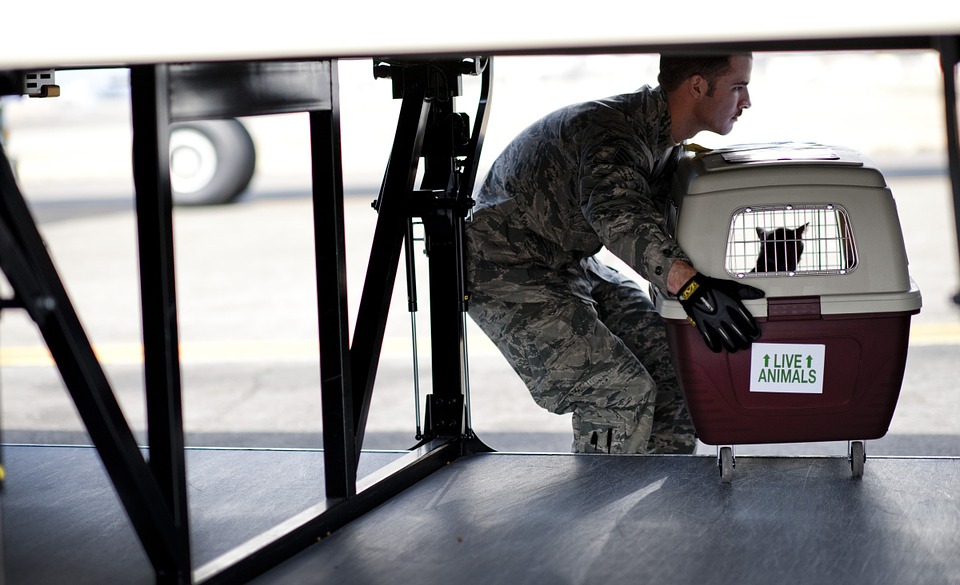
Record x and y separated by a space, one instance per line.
584 338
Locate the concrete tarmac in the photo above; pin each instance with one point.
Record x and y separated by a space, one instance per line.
248 316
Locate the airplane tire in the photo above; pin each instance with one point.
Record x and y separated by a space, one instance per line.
211 161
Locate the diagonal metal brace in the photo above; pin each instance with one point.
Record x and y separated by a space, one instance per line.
31 272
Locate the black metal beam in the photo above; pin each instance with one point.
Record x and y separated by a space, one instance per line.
340 462
201 91
161 347
442 211
392 207
949 48
450 171
307 528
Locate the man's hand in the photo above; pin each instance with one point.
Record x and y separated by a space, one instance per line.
714 307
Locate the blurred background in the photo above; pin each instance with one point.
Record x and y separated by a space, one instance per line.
247 302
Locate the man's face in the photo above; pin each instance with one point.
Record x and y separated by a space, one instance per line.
727 97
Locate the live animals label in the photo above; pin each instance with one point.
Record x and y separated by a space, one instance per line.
787 367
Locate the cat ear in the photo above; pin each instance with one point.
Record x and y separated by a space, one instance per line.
760 233
801 228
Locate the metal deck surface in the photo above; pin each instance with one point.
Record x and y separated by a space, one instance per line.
63 523
516 518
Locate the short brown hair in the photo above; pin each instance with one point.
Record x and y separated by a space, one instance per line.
675 69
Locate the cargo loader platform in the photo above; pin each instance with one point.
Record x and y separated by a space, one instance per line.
448 511
514 518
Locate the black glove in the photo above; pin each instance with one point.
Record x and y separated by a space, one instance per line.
713 306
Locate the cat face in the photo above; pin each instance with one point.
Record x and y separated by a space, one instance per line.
780 249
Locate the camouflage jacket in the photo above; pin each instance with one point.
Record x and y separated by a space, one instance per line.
588 175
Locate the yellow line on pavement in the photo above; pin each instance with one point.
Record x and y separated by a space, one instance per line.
223 351
935 334
207 351
305 350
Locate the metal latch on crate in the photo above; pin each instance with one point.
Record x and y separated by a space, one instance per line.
793 308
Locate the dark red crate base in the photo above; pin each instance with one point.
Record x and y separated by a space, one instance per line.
863 370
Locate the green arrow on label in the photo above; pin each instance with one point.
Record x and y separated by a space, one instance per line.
809 361
766 361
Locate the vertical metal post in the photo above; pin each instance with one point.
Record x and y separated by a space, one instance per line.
161 364
340 459
453 178
468 179
949 57
442 225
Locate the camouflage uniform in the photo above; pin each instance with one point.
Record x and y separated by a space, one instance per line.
584 338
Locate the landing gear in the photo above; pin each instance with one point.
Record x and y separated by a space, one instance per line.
211 161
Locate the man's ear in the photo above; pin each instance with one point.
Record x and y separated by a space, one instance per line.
698 86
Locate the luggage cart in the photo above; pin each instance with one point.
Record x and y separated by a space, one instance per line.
816 228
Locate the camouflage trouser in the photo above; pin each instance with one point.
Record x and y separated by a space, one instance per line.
605 361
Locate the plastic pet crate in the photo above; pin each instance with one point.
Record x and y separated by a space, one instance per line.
816 228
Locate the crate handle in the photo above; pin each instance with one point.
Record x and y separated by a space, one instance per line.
793 308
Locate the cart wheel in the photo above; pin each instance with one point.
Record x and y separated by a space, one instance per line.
726 464
857 458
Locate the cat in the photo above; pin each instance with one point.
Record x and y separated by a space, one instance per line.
780 249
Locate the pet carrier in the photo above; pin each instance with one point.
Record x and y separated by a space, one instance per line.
816 228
